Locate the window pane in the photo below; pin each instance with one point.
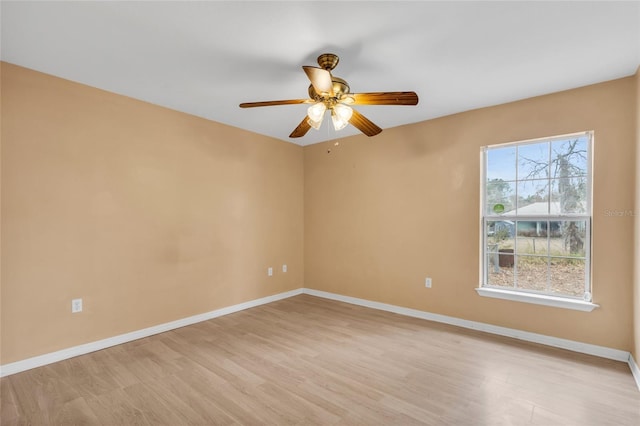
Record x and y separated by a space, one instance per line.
532 237
532 273
569 195
567 238
500 235
533 161
501 163
497 275
500 196
533 197
537 215
568 276
569 157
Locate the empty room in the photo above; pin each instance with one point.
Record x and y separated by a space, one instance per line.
319 213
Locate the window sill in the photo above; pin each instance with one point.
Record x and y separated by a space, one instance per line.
538 299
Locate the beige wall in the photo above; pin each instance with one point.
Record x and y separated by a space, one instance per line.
636 294
383 213
148 214
0 213
151 215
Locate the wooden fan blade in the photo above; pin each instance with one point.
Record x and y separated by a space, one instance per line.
384 98
320 80
272 103
365 125
302 129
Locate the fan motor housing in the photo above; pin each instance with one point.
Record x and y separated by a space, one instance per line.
340 88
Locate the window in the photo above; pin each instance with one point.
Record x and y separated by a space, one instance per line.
536 221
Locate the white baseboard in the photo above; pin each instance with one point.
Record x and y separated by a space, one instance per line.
635 370
571 345
38 361
601 351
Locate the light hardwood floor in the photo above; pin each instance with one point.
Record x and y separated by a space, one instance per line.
306 360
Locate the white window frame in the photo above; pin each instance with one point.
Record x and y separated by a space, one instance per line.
532 296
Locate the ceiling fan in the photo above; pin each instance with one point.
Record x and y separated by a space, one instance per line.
327 92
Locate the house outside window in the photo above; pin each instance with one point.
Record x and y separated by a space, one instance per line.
536 220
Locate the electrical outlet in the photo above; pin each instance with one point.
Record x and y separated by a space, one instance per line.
76 306
270 271
284 268
427 282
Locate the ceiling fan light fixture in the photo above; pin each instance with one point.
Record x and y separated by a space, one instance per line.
340 115
314 124
316 112
327 91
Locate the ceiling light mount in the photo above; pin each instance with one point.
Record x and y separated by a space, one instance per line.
328 61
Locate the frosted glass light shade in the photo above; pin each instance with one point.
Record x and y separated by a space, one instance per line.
314 124
340 115
316 111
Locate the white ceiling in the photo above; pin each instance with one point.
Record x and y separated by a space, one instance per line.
204 58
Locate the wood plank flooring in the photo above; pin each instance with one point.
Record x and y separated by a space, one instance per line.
307 361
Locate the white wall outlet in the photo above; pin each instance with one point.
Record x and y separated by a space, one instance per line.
284 268
427 282
270 271
76 306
